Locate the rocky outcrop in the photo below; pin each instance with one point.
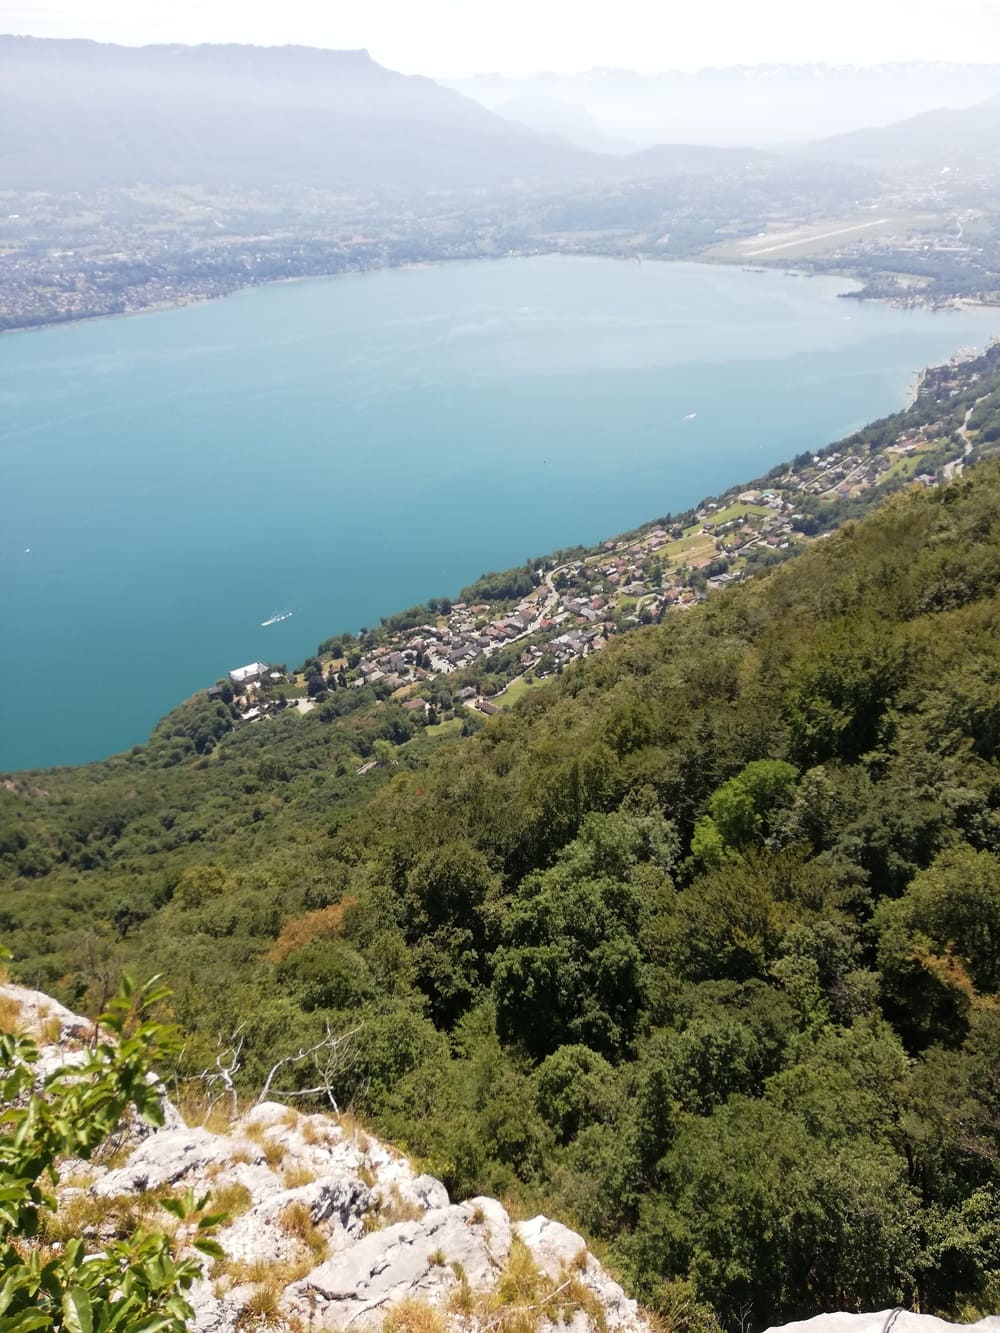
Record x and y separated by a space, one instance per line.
329 1228
885 1321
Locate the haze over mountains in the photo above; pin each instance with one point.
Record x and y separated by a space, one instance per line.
83 115
615 110
79 114
945 139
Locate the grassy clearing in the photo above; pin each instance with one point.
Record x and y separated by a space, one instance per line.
686 550
902 467
517 689
441 729
738 510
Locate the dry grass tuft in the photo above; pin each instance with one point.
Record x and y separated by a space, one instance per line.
318 1132
297 1175
199 1111
260 1310
11 1017
231 1198
273 1149
49 1030
296 1220
390 1209
274 1152
414 1316
520 1280
526 1299
463 1298
354 1130
262 1272
81 1213
116 1149
367 1176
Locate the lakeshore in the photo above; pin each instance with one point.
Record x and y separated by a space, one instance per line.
345 448
847 276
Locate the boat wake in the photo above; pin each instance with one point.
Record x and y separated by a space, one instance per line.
276 619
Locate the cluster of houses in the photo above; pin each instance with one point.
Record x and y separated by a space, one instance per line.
561 628
458 640
574 609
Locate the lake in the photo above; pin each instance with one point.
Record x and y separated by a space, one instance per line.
347 447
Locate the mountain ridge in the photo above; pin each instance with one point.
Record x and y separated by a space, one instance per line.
941 139
84 114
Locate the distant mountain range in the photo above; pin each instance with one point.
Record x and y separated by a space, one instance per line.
80 114
942 140
767 105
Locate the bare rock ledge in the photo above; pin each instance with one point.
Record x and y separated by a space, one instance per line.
338 1231
335 1227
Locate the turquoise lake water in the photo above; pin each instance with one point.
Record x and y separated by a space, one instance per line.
344 448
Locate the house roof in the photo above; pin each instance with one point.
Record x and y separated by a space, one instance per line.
244 673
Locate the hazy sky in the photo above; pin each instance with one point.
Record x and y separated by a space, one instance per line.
456 37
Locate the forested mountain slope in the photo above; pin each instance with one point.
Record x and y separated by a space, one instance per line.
700 944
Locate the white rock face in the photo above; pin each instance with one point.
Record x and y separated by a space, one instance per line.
335 1223
885 1321
558 1250
40 1012
410 1259
340 1227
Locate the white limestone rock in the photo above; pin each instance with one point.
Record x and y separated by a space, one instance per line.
46 1018
172 1157
885 1321
409 1259
314 1195
556 1250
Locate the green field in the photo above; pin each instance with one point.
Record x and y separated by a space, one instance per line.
441 729
903 467
738 510
687 549
517 689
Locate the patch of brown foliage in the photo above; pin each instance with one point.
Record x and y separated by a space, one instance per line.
323 924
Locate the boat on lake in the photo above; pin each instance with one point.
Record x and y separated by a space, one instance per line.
276 619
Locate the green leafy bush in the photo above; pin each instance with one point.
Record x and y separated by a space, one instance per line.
135 1284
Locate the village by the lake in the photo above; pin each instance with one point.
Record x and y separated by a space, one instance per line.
447 661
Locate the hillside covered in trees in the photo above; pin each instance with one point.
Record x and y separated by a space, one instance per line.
699 943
